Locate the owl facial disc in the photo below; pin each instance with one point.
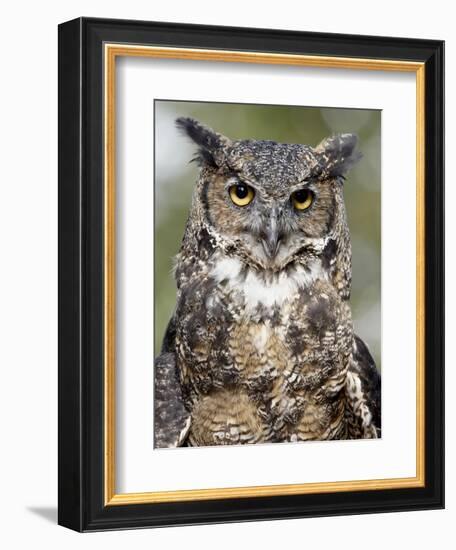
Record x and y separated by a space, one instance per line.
272 204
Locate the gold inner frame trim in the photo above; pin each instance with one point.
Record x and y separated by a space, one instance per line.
111 52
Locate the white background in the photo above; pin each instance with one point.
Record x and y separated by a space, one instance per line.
141 468
28 288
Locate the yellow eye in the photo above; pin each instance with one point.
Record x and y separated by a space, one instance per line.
302 199
241 194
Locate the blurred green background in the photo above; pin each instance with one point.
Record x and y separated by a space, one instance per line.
175 177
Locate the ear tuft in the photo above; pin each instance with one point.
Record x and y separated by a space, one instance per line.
211 144
337 154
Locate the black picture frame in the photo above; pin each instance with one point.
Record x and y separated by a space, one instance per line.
81 323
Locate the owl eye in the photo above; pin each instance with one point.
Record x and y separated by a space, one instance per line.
241 194
302 199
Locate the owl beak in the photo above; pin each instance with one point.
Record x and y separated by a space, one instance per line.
271 238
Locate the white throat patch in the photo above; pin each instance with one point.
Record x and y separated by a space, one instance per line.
280 289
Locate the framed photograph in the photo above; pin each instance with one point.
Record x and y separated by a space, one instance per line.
251 274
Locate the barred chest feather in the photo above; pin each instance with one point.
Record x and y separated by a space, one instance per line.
264 357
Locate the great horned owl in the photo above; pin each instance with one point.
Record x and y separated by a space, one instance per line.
261 347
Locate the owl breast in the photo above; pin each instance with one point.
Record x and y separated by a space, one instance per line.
263 357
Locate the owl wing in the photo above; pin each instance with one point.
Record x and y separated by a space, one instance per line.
171 418
364 392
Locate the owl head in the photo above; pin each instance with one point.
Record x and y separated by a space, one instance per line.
272 204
